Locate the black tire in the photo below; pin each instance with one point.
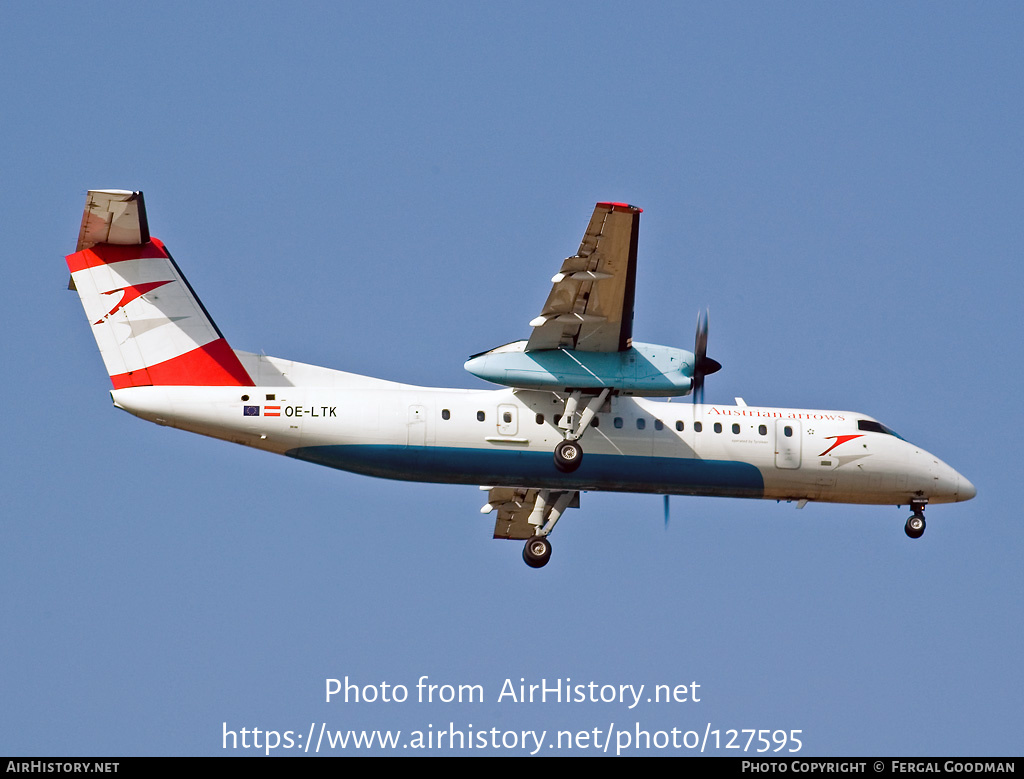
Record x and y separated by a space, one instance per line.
537 552
915 526
568 456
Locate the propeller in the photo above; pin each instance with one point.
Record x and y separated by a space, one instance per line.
666 512
703 365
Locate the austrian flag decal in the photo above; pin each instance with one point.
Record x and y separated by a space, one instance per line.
254 411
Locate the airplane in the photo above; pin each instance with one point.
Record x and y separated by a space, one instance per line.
578 377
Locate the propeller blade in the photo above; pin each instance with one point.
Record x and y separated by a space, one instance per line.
703 365
700 340
666 512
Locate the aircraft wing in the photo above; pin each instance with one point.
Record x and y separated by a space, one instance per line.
515 507
590 307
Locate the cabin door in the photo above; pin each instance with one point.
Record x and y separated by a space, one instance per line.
416 426
787 443
508 419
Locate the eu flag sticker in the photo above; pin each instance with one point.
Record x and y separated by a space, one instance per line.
250 411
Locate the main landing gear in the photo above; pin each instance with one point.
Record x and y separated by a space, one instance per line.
915 523
569 453
537 552
548 508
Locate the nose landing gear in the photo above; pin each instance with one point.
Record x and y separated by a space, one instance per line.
915 523
915 526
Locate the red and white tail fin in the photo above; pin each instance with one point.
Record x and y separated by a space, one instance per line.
149 324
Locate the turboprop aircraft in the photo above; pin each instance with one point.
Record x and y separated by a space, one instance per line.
579 376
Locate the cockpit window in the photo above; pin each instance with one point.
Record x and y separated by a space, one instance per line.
870 426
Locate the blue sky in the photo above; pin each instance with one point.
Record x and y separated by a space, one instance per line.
388 190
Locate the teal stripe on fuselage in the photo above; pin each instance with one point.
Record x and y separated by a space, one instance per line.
494 467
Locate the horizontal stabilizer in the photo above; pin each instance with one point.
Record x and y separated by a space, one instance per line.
113 216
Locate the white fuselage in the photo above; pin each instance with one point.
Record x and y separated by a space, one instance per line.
505 438
170 364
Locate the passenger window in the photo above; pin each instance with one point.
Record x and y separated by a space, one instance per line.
480 416
679 425
697 427
446 414
658 424
718 427
762 429
641 423
595 421
735 429
618 422
788 431
507 417
540 419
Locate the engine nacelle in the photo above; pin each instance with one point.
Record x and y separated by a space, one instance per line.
643 369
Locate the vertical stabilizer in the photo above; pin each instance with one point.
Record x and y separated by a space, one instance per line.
150 326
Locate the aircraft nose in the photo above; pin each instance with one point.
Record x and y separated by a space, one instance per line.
965 490
947 485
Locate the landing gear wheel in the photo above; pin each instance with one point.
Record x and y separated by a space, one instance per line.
568 456
537 552
915 526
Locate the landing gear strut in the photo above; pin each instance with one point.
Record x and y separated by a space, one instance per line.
915 523
548 508
569 453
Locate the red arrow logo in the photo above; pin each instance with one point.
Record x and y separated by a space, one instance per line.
840 439
130 294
